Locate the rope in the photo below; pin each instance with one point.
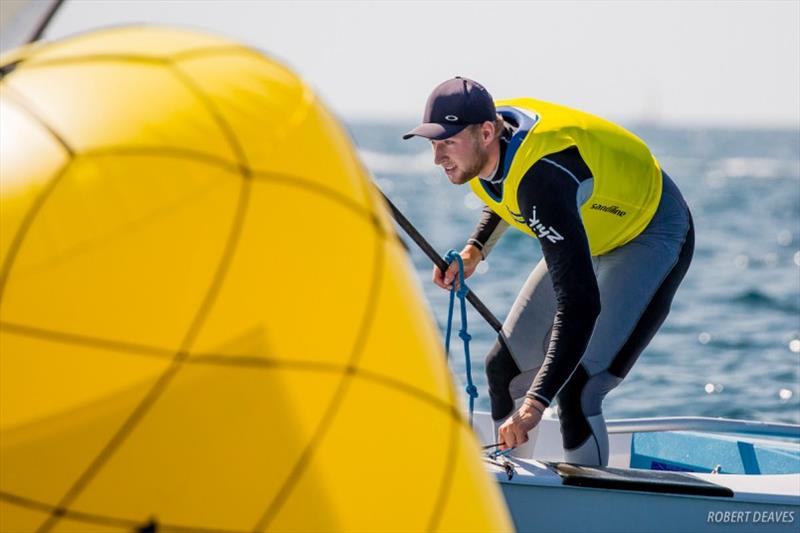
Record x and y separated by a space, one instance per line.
461 292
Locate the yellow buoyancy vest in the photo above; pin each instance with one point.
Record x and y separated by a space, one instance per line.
627 178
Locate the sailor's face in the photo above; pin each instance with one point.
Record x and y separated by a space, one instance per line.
460 155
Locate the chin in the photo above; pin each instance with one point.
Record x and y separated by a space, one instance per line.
458 179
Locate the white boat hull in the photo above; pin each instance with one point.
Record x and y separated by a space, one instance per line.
540 499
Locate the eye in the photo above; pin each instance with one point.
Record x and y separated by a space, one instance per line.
448 142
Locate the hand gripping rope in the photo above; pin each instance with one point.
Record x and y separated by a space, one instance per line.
462 292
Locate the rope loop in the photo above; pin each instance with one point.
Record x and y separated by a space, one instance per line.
461 292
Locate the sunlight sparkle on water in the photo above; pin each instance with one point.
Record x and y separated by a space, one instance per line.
784 237
741 261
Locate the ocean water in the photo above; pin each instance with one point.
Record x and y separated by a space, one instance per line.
731 344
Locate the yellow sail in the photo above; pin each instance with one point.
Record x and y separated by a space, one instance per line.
206 318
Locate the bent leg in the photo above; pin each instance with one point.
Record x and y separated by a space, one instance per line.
500 370
530 321
637 284
519 350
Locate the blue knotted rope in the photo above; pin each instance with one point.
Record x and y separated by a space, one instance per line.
461 292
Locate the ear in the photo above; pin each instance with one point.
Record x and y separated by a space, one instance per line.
487 132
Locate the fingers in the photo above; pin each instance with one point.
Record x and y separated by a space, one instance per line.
506 437
451 274
445 280
438 278
511 434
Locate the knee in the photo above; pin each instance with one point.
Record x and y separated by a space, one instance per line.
500 367
500 370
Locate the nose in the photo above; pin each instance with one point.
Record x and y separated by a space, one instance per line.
438 154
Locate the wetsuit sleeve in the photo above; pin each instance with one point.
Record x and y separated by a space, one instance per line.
488 231
547 197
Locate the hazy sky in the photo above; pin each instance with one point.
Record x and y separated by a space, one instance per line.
717 63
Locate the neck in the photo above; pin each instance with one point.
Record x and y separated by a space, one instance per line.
487 171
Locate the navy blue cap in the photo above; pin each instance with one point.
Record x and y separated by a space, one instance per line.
452 106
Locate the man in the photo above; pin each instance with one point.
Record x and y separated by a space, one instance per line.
616 236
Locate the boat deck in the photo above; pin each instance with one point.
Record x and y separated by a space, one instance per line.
545 494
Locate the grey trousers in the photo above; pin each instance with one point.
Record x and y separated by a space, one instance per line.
637 282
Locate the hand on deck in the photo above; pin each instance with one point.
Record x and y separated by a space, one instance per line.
514 431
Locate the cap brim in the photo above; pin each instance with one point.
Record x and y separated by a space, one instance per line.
434 131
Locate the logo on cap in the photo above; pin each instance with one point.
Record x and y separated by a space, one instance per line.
451 118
